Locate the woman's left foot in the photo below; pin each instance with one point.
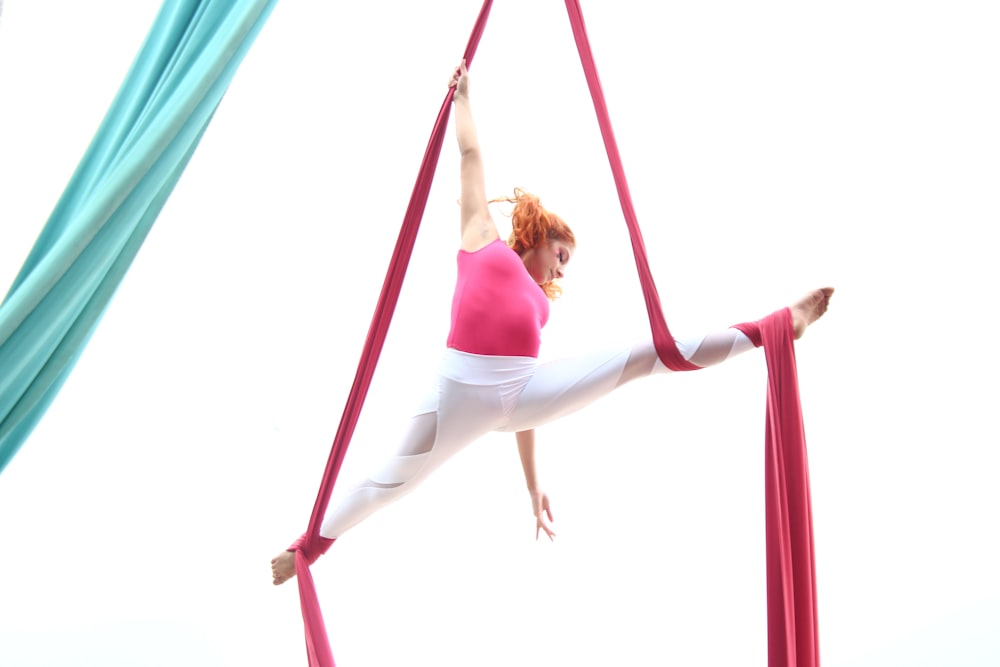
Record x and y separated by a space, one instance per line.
810 308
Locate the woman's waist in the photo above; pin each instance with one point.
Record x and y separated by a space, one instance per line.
485 369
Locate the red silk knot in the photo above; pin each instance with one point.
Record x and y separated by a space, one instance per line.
311 549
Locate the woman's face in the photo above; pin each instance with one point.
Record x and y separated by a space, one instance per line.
547 261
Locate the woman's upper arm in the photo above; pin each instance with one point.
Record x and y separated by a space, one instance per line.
478 228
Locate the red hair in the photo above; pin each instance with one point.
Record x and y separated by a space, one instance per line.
533 225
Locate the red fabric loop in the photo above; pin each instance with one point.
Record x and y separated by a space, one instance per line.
752 331
311 549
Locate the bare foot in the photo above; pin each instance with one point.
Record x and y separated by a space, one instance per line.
283 567
810 308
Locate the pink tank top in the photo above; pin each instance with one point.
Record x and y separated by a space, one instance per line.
497 309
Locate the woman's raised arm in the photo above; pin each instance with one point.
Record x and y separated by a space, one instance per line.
478 228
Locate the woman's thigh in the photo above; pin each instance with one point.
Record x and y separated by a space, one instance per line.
563 386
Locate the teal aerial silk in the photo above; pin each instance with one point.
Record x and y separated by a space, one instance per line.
133 163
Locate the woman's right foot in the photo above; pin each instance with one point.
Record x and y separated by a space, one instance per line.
810 308
282 567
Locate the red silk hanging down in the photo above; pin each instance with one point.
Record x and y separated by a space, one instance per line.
791 592
791 600
792 622
311 544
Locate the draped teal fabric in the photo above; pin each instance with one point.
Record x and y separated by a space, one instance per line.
151 130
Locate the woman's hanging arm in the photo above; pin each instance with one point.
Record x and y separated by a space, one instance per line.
539 500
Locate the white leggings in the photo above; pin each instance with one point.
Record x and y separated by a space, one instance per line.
476 394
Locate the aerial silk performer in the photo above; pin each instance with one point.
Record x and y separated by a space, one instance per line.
490 378
145 141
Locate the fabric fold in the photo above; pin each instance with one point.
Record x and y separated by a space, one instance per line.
140 150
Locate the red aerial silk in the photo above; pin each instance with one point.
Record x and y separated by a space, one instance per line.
792 635
793 639
311 544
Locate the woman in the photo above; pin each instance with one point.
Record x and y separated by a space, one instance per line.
490 378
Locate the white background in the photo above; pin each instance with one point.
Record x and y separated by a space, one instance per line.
771 147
